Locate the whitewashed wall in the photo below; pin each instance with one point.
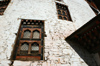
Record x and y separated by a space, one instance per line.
57 51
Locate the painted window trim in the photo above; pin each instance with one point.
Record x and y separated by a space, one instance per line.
16 52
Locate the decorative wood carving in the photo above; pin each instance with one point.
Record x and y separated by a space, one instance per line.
29 54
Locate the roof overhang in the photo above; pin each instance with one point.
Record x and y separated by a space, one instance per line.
88 35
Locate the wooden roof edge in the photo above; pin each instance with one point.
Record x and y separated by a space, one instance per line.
84 26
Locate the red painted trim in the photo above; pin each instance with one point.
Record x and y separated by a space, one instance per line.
19 57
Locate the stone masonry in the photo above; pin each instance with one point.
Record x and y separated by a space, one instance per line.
57 52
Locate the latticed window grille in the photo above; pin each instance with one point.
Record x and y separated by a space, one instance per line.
63 12
3 5
24 47
27 34
30 40
35 47
36 34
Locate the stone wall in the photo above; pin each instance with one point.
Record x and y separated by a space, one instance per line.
57 51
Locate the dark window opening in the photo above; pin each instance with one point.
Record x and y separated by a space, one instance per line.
60 17
63 12
3 6
65 18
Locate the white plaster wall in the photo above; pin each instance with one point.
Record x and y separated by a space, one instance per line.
80 11
57 51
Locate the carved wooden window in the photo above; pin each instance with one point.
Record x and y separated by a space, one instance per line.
29 45
63 12
3 6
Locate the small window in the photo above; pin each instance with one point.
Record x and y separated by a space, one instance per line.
31 48
36 34
3 6
63 12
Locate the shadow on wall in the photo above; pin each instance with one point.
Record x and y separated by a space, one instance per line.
84 54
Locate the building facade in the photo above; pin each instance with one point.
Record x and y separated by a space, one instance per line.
57 25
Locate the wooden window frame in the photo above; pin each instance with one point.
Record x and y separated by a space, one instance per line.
32 30
30 43
3 6
29 25
66 11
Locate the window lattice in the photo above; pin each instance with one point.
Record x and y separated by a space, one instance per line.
31 48
27 34
36 34
24 47
35 47
63 12
3 6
